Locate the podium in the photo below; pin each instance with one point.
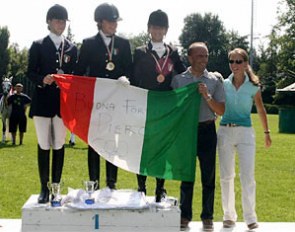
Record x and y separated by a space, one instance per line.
41 218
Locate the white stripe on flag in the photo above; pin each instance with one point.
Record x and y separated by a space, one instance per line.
117 123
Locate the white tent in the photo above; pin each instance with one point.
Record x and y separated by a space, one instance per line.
289 88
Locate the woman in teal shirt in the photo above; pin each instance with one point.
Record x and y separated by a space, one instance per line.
236 134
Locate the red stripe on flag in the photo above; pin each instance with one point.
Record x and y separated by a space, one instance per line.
76 100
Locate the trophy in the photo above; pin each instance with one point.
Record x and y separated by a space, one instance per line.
55 189
90 188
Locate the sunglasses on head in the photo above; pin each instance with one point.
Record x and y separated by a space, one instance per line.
235 61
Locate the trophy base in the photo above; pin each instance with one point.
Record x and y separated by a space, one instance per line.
89 201
55 203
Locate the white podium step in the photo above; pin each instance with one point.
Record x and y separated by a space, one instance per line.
14 225
45 218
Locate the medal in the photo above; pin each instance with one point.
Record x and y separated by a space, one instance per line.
60 71
67 58
110 66
160 78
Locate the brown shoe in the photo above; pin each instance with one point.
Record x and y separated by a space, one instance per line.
253 226
184 223
228 224
207 224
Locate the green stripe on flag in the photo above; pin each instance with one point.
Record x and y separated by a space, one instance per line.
170 140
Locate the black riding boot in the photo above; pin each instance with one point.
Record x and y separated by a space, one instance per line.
141 183
160 191
111 172
43 164
93 166
57 164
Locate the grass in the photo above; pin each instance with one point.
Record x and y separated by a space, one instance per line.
275 176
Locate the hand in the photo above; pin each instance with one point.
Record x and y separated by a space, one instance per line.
123 80
202 87
48 79
267 140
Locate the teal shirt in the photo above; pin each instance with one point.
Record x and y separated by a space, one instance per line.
238 103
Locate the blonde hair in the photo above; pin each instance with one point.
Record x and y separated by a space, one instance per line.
252 76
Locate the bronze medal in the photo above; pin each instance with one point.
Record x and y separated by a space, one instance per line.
110 66
160 78
60 71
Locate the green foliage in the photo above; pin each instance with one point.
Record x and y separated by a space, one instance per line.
275 174
268 88
270 109
17 63
4 57
284 36
287 17
277 61
236 41
138 40
70 36
210 29
18 66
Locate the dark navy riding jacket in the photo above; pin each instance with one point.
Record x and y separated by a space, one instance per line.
43 60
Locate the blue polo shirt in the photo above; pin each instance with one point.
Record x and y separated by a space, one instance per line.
238 103
214 85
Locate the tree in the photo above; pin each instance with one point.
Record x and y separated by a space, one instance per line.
283 41
267 68
70 36
236 41
4 56
284 37
17 62
210 29
269 57
138 40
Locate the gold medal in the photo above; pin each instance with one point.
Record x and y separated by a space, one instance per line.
60 71
160 78
110 66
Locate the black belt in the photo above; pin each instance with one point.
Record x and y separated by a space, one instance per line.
206 123
230 125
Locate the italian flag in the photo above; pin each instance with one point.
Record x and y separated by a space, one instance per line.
152 133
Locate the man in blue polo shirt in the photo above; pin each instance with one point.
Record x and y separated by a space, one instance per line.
211 88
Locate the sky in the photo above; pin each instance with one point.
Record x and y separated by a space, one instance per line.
26 19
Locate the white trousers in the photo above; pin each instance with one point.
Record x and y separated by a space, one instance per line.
241 140
51 132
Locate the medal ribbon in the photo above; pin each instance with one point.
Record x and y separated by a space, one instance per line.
110 52
61 54
165 61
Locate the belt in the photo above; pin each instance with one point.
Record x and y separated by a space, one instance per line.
205 123
230 125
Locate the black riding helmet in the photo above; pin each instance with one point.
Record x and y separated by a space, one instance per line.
106 11
57 12
158 18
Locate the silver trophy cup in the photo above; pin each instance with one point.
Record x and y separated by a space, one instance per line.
55 189
90 188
